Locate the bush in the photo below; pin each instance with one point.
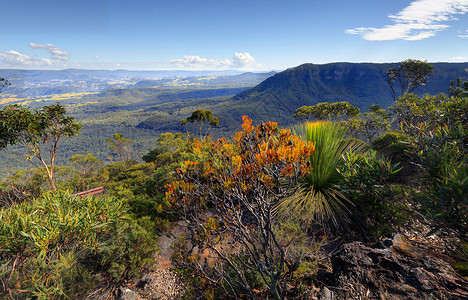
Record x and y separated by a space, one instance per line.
50 245
397 147
242 181
367 180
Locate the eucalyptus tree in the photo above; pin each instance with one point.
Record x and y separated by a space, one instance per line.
201 117
39 131
410 74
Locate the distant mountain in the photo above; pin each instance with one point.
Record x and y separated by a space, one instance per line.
361 84
33 83
81 74
48 82
247 79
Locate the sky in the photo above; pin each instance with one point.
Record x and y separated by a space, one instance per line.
254 35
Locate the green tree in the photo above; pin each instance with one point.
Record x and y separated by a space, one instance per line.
89 172
121 146
336 111
410 74
3 83
201 117
167 150
37 130
376 122
458 88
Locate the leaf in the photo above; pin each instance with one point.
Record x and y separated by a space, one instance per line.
437 228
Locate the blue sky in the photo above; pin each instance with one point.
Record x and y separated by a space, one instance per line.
224 34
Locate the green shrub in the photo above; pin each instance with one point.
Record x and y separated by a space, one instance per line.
445 184
397 147
367 179
53 246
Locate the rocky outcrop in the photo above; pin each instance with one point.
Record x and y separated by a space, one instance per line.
392 270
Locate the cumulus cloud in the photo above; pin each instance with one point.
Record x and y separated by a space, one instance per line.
239 60
54 51
422 19
14 58
58 57
458 58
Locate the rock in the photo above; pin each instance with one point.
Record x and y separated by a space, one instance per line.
157 296
326 294
386 272
127 294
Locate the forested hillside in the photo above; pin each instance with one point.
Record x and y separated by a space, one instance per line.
361 84
143 113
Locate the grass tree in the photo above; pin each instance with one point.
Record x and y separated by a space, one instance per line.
321 198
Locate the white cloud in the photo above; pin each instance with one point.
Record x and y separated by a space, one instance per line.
239 60
59 57
54 51
14 58
464 36
420 20
458 58
197 62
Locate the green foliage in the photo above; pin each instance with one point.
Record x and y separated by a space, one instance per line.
461 256
133 248
88 172
436 128
365 174
167 150
120 145
431 111
3 83
444 165
322 199
141 186
327 111
368 179
201 117
376 122
458 89
28 184
410 74
397 147
36 130
49 245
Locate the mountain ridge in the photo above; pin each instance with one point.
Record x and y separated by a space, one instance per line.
361 84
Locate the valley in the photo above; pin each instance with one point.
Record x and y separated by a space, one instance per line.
142 105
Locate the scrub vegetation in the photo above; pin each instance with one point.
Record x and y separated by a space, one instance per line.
263 209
